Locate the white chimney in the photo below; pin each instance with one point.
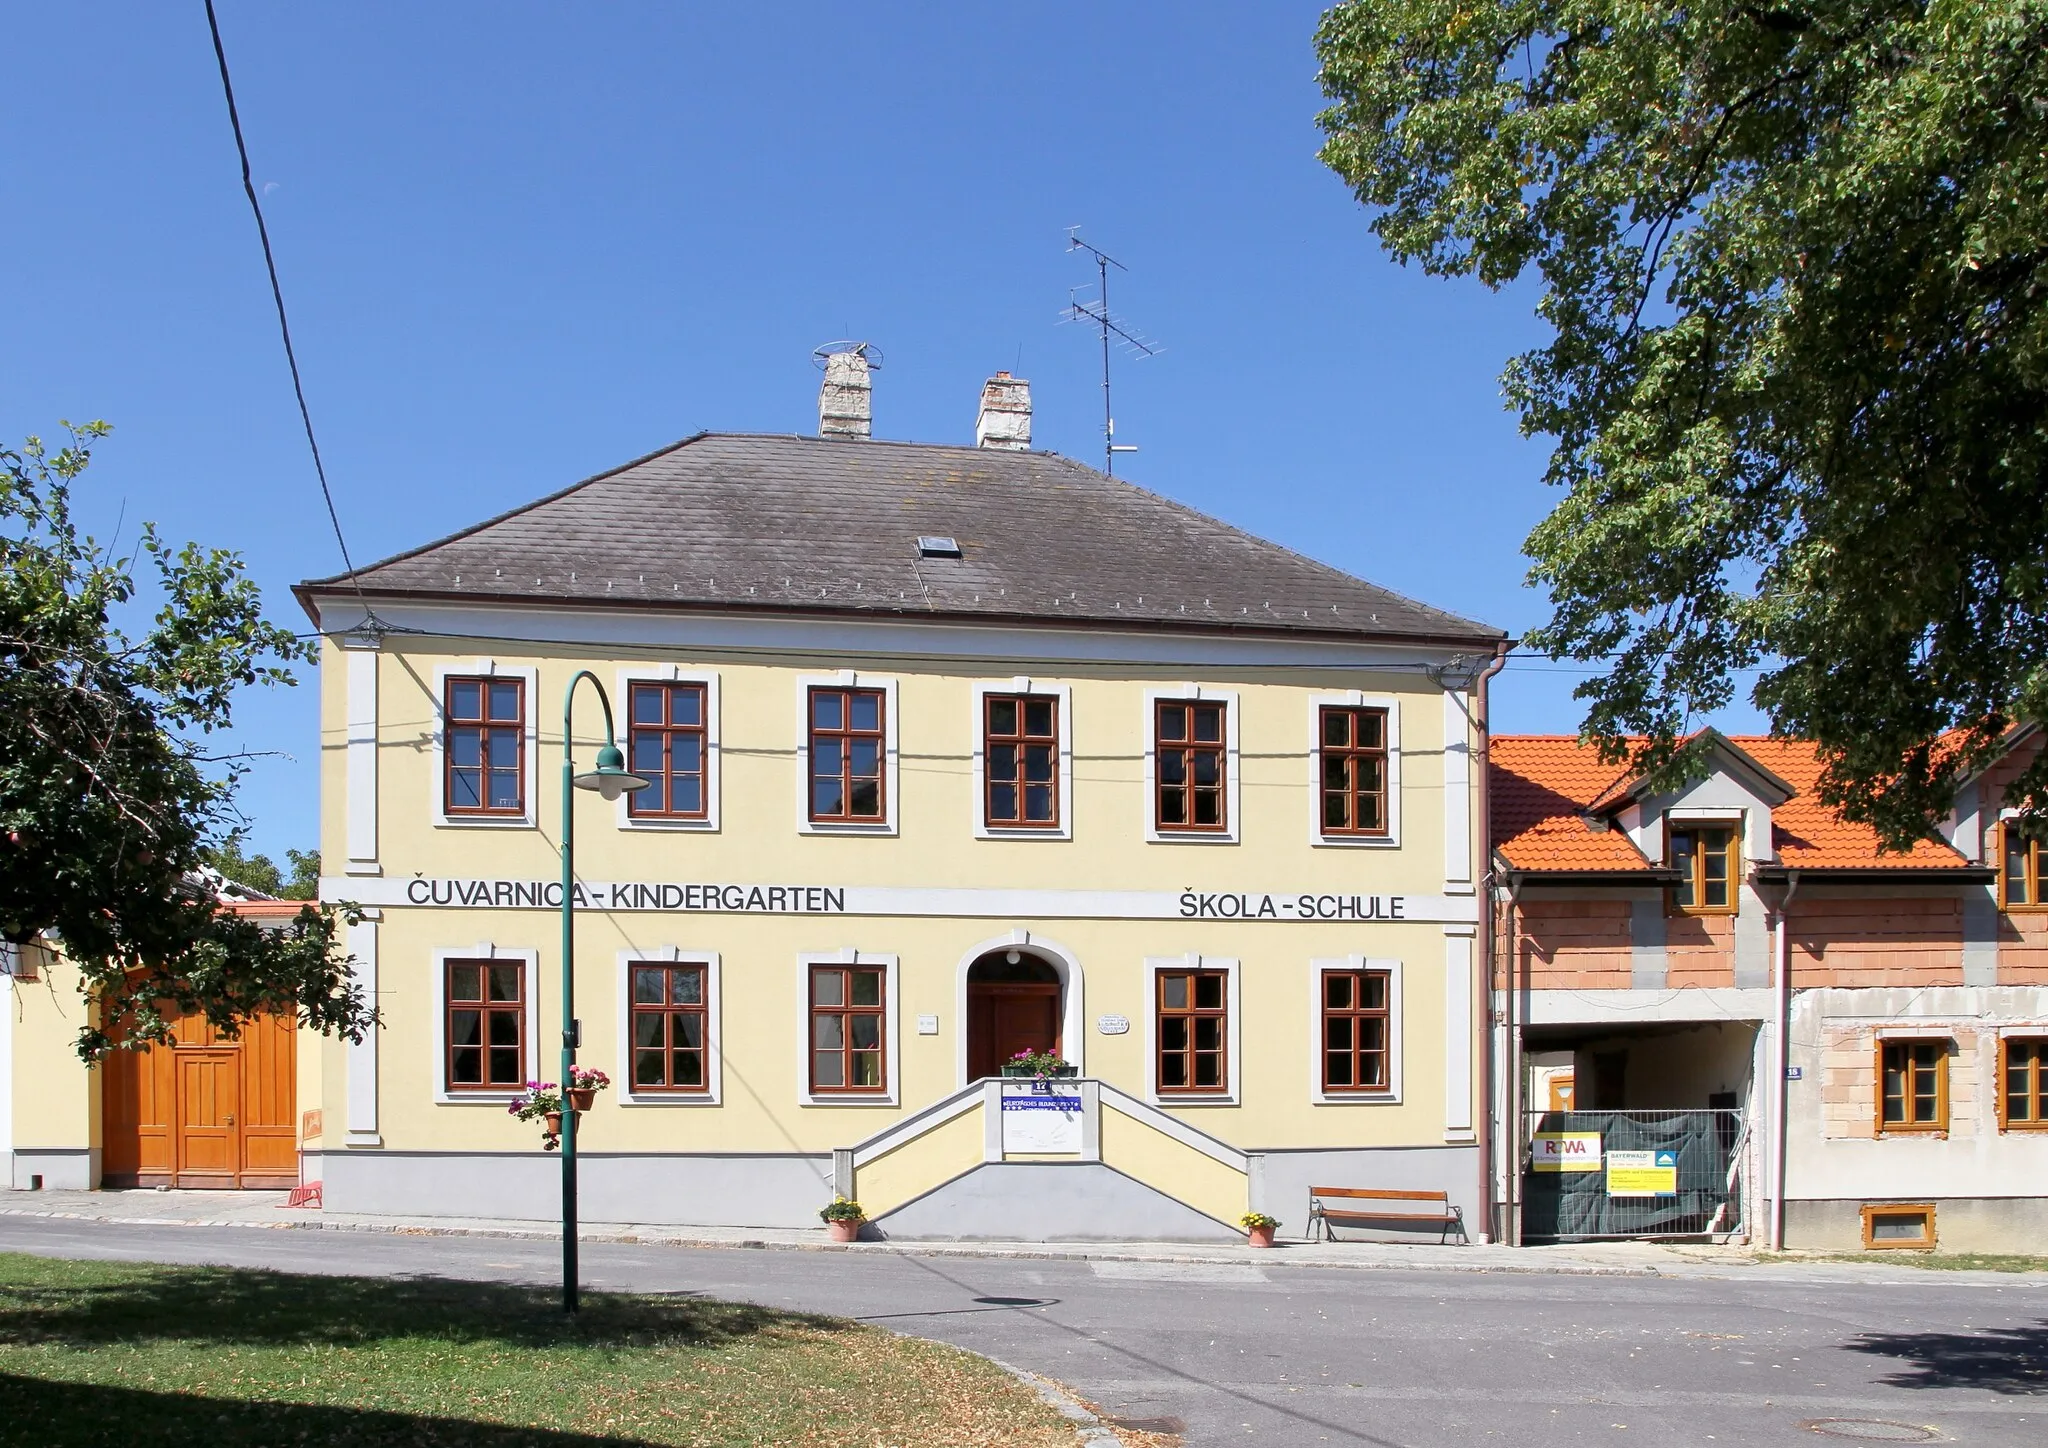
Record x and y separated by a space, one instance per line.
846 397
1005 417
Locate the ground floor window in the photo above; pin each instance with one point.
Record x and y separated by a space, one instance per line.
670 1021
1192 1029
1356 1034
1912 1085
486 1004
2023 1078
847 1006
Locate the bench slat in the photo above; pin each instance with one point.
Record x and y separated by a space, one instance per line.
1389 1217
1375 1195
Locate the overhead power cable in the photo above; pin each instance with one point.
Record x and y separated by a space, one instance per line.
284 327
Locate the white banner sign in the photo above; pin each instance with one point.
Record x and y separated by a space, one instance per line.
714 898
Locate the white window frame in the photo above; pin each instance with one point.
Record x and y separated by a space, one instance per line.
1397 1031
892 808
529 786
483 950
1233 1029
1233 781
713 1093
714 758
1063 697
1353 699
892 1046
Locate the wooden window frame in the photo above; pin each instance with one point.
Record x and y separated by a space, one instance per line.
1353 753
635 1009
845 735
2039 1089
664 777
882 1091
1016 779
1357 974
1161 1013
2032 873
1161 746
1939 1125
1672 904
1873 1210
519 1010
485 727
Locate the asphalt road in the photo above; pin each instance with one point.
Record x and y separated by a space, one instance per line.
1305 1356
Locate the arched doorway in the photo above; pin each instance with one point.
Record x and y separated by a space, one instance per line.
1013 1004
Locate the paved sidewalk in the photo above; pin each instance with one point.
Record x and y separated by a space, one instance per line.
268 1210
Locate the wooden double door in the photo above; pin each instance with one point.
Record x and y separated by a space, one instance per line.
1012 1006
207 1112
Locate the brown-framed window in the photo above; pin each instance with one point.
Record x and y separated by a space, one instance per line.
1193 1031
848 1033
1912 1085
486 1001
486 746
668 746
1357 1031
1189 764
1708 861
1021 761
847 745
669 1024
2023 1083
2019 878
1354 771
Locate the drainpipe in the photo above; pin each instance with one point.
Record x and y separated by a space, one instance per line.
1781 1059
1483 965
1513 1070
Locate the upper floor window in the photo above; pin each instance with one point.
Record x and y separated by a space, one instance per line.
2019 881
486 746
846 748
1191 760
670 1015
1353 770
2023 1072
669 747
848 1006
486 1027
1021 748
1706 859
1192 1027
1912 1085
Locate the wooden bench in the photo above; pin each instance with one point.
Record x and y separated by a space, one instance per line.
1381 1208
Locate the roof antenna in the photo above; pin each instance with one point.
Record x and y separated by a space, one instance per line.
1098 312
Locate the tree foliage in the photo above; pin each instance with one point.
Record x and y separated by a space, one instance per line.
1795 260
261 873
109 800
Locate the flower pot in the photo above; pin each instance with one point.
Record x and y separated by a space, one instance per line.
553 1122
582 1098
844 1231
1060 1073
1259 1236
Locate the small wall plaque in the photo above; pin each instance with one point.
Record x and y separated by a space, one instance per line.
1795 1073
927 1025
1112 1025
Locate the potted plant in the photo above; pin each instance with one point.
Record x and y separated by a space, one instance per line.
541 1102
1040 1065
584 1084
1259 1228
843 1219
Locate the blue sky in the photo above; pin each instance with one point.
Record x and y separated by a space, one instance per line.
524 242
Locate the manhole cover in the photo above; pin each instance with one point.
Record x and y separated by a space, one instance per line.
1871 1430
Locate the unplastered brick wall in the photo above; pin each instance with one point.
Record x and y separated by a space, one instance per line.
1848 1070
2023 948
1852 942
1574 944
1699 950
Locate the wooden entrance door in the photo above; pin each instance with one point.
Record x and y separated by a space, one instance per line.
1013 1004
207 1112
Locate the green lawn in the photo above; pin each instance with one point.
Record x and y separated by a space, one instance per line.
115 1353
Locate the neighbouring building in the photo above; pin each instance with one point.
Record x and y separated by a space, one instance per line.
1832 1046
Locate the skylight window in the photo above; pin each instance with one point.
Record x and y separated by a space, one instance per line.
932 546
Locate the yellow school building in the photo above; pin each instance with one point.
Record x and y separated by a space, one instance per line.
953 752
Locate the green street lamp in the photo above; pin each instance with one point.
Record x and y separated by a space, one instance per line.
610 779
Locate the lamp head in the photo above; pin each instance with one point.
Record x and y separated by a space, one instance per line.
611 779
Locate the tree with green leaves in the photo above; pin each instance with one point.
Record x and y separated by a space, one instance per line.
111 801
1795 262
262 874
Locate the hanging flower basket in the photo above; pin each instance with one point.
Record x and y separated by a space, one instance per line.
584 1084
541 1102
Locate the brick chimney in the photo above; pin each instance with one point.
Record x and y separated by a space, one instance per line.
846 397
1004 420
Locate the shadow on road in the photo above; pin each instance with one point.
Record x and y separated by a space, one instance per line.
2000 1360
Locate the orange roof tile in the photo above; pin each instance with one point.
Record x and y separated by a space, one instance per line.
1539 785
267 909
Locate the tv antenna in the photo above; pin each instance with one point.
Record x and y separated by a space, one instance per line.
1113 330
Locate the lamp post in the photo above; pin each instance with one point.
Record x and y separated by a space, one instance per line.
610 779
